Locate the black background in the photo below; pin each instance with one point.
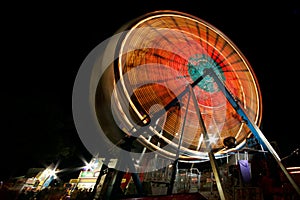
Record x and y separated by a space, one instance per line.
44 44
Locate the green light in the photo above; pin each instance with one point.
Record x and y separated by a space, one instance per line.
196 66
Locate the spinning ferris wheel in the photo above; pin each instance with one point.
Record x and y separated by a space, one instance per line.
158 56
177 85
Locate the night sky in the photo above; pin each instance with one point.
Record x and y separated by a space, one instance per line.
44 45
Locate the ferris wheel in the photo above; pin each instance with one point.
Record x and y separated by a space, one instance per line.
158 56
172 84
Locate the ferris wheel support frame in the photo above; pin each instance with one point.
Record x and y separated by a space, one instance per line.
191 95
251 125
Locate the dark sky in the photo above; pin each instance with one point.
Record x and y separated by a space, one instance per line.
43 46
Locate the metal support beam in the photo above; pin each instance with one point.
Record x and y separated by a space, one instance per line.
216 174
128 161
208 145
252 126
175 165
